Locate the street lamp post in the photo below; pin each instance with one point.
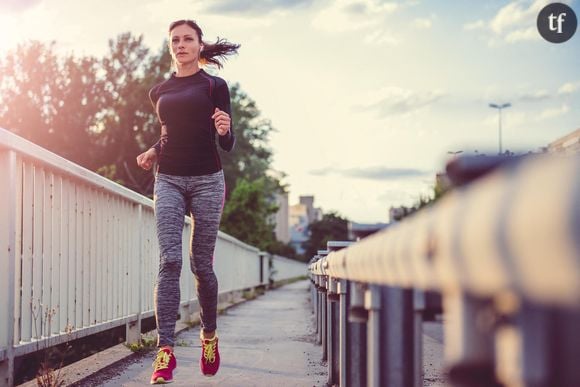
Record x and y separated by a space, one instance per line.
499 108
454 154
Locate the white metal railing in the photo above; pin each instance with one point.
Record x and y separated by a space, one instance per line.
79 254
504 253
285 269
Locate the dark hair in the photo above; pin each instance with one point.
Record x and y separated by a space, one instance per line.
214 53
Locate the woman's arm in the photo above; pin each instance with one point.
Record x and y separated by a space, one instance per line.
222 101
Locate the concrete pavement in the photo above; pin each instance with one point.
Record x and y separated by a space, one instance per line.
266 342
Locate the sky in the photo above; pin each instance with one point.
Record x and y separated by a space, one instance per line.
367 97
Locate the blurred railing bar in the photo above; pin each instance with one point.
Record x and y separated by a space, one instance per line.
503 252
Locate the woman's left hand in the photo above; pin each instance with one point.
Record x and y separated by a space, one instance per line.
222 121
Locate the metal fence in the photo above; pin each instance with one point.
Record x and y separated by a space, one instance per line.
79 254
504 254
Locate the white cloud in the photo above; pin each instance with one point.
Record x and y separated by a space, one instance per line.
352 15
254 8
372 172
380 37
524 34
569 88
390 101
422 24
511 16
476 25
513 23
553 112
534 96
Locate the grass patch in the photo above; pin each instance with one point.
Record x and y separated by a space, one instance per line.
144 345
48 377
249 295
182 343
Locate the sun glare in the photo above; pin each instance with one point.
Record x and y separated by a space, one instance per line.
8 34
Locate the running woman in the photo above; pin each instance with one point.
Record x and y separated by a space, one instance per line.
193 109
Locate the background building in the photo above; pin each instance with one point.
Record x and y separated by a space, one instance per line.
301 216
282 228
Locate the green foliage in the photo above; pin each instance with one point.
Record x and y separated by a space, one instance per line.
283 249
247 213
332 227
52 101
128 117
183 343
96 113
146 344
252 156
439 190
249 295
110 172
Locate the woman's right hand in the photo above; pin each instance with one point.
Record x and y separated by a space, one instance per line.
146 159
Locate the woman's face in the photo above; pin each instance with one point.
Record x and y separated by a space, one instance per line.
184 44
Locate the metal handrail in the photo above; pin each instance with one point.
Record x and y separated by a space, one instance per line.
499 256
516 230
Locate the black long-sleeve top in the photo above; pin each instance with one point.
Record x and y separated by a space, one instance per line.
184 105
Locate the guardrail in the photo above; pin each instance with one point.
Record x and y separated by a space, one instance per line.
79 255
503 252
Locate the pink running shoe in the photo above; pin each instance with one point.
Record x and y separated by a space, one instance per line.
210 356
163 367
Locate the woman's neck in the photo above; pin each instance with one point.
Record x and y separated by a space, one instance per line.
187 69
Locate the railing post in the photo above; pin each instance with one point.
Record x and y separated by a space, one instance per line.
318 311
323 313
338 367
343 287
396 339
332 331
418 309
534 325
373 306
8 213
322 308
314 300
357 336
261 255
544 344
469 341
133 328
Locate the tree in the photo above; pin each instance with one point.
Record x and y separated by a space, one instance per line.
96 113
128 125
52 101
251 157
247 213
332 227
250 207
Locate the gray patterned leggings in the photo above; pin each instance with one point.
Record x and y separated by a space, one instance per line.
203 198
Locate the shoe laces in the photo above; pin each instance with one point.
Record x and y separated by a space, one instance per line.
161 361
209 349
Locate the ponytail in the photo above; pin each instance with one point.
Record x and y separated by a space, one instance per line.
217 52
